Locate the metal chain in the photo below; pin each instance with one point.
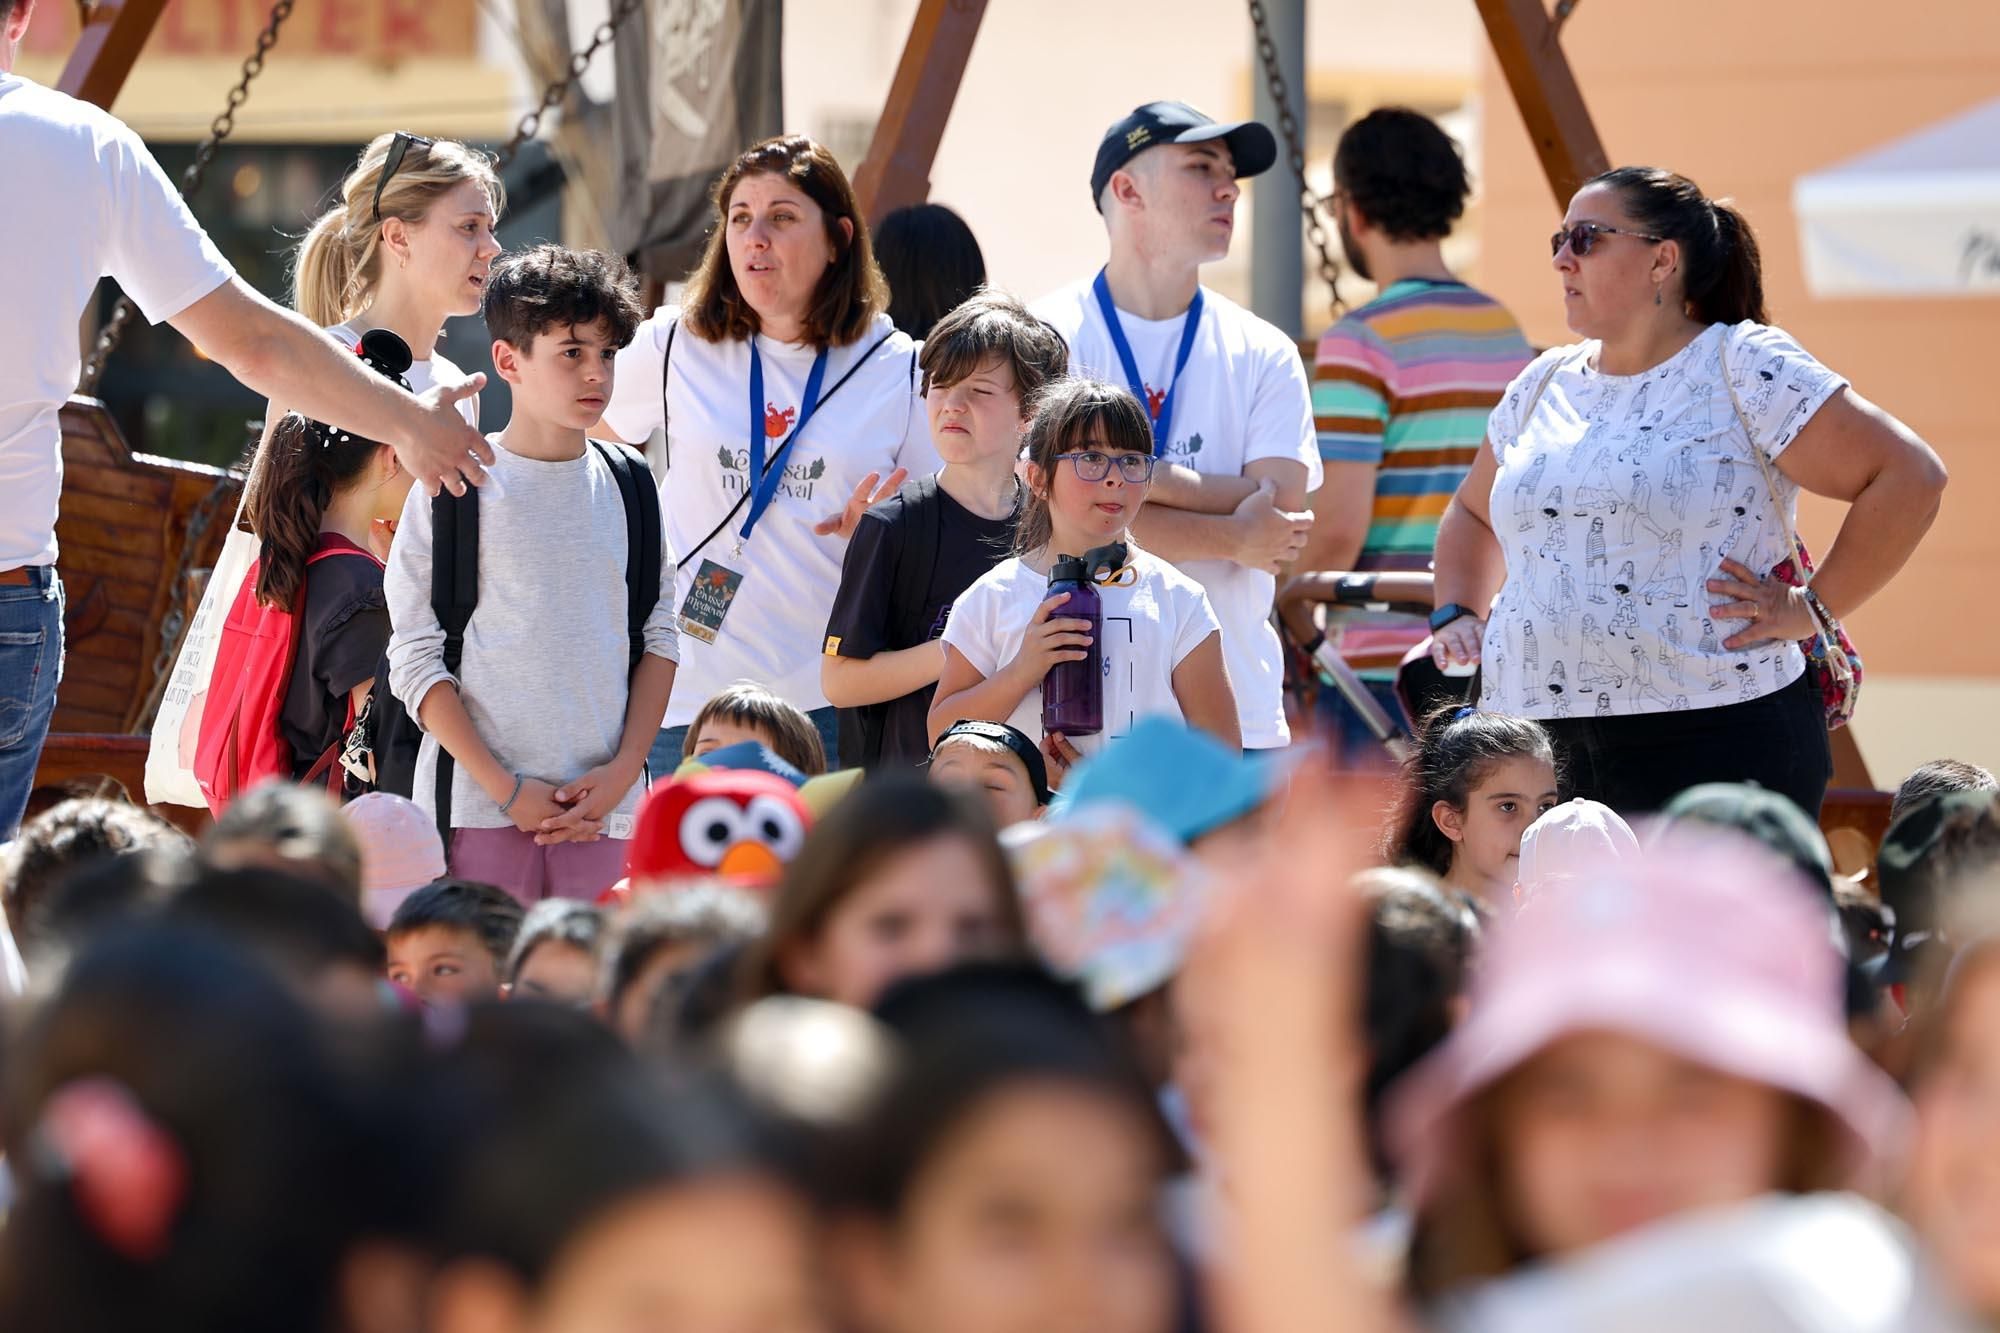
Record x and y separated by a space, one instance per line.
559 89
219 129
1288 125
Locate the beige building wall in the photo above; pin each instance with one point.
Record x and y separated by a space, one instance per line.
1745 99
1047 76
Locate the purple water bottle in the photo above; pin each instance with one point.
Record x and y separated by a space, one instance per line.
1073 692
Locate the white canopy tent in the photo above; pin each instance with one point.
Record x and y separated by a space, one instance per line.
1917 217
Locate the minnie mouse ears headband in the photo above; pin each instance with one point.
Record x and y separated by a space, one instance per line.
385 354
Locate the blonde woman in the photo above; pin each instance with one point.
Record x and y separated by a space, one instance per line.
406 246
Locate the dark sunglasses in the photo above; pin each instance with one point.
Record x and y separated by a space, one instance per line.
393 162
1582 238
1095 465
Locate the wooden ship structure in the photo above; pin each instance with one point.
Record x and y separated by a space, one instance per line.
139 534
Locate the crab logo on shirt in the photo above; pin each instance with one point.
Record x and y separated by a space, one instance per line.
776 423
1155 400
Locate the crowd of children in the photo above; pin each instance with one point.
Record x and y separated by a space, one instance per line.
983 958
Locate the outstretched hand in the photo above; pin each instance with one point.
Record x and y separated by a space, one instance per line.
865 497
444 449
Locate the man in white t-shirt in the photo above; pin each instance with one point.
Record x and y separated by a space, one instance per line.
1227 391
89 200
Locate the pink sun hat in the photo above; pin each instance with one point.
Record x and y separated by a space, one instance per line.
400 851
1703 945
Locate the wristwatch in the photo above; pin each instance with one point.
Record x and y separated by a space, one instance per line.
1447 613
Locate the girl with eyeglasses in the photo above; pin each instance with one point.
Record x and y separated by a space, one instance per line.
1613 559
1090 466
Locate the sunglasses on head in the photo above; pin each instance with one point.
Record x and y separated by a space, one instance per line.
393 161
1582 238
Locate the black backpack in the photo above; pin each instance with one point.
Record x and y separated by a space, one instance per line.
395 736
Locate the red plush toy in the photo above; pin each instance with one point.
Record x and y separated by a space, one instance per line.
734 824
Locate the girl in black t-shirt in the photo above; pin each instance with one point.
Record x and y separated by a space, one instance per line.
913 554
324 517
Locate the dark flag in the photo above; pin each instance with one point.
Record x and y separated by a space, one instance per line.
698 82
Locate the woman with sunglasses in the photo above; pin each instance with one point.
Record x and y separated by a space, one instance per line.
406 246
1638 490
1090 467
790 403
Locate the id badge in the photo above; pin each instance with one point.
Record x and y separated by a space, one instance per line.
708 601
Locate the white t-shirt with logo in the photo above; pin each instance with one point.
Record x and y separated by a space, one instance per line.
1243 397
88 201
433 369
1150 627
774 624
1617 498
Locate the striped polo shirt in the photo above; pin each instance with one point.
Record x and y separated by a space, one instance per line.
1405 383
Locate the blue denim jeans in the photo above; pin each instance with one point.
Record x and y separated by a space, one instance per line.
665 755
31 650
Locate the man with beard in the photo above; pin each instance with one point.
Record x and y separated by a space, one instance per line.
1402 385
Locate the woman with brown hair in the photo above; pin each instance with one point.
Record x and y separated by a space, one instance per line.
790 403
1612 560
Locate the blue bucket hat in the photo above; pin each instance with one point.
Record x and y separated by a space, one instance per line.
1184 780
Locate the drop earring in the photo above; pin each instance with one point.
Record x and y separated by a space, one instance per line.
1656 293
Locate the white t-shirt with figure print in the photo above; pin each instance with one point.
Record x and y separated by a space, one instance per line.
1150 626
433 369
1616 500
775 621
1243 397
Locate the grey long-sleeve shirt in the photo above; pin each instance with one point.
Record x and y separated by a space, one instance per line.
544 674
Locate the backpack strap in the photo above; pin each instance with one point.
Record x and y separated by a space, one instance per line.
916 561
454 596
642 542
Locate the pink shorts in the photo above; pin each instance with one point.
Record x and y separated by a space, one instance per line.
509 858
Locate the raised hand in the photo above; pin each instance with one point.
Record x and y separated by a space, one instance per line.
865 497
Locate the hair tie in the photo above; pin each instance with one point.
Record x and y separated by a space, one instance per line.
127 1175
1464 713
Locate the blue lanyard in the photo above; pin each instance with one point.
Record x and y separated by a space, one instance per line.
764 479
1163 420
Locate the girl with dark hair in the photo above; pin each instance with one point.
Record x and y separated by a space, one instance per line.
1090 467
1010 1175
932 263
1474 784
186 1156
1634 512
785 311
324 493
586 1193
901 878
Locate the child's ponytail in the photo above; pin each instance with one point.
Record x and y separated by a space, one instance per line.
304 467
1456 748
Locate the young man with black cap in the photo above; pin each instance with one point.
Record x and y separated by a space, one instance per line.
1227 392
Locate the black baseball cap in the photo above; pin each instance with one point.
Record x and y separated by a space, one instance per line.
1015 740
1927 854
1251 145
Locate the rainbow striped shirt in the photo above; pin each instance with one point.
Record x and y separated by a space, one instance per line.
1405 383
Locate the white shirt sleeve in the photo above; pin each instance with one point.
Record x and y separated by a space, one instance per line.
972 626
1281 415
636 409
155 249
1778 383
1194 617
416 640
